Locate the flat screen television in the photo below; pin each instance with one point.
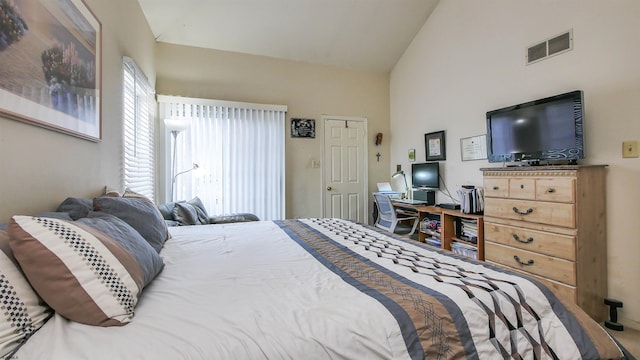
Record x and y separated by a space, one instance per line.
549 129
425 175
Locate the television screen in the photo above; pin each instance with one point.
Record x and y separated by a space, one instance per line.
545 129
425 175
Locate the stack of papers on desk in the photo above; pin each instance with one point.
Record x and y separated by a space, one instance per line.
385 187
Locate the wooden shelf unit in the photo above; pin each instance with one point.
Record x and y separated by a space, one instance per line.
448 219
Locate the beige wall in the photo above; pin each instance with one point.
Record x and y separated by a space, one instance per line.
309 91
40 167
469 58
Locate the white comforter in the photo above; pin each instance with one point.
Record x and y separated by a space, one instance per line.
278 302
251 291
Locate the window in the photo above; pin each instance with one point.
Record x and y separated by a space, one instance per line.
138 113
239 152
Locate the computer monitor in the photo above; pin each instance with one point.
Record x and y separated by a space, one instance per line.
425 175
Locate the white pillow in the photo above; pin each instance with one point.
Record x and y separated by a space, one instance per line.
22 311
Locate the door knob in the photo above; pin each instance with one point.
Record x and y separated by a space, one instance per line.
329 188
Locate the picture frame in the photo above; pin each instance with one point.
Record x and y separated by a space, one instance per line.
53 77
412 155
473 147
434 143
303 128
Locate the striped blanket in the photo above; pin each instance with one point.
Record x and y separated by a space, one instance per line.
327 289
450 306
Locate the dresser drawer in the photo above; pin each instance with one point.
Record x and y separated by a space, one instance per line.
562 290
558 214
546 266
537 241
496 187
522 188
560 190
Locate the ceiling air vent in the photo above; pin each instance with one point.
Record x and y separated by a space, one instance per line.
550 47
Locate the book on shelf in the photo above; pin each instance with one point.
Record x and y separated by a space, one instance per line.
433 241
467 229
464 249
471 200
471 239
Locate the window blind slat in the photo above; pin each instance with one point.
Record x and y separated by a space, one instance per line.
138 131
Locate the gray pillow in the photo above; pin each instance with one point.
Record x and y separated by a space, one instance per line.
200 209
171 223
76 207
191 212
141 214
146 256
55 215
185 214
167 210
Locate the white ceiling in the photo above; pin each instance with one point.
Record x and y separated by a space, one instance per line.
359 34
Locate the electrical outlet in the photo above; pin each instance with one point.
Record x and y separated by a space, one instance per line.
630 149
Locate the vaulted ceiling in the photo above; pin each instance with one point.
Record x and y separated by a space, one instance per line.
368 35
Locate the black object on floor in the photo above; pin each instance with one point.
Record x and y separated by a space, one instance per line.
613 323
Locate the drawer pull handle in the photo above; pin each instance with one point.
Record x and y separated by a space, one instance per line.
529 211
517 238
517 258
551 190
495 188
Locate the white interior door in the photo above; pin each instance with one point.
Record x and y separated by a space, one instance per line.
345 168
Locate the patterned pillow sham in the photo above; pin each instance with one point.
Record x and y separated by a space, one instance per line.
83 274
22 311
141 214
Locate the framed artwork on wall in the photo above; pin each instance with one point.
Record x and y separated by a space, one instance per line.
303 128
435 146
51 55
412 154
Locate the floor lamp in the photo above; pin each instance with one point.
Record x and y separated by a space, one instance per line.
175 177
175 127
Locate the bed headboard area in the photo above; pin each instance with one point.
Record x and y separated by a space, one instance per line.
41 168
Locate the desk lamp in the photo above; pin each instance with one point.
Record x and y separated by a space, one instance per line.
399 172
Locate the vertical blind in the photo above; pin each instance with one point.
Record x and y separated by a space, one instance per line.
138 113
239 150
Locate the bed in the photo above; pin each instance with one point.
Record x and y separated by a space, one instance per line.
324 289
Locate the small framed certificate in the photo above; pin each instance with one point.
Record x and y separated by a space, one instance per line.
473 147
435 146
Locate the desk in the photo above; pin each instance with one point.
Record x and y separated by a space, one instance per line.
449 225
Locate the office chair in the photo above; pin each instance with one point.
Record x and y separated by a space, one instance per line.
388 217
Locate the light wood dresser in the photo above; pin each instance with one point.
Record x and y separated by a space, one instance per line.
550 222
